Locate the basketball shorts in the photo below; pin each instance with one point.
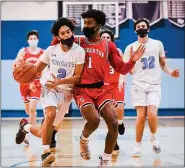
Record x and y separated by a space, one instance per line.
97 97
59 99
27 94
118 95
145 94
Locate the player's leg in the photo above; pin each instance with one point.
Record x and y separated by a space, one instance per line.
118 95
90 114
120 114
32 111
139 102
26 107
92 122
153 102
108 113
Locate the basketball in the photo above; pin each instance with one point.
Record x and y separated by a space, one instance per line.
25 73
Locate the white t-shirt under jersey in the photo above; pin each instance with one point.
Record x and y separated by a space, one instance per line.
61 64
147 68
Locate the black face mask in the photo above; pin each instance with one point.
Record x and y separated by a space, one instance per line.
142 32
68 42
89 32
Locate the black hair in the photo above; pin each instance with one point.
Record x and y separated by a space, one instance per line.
108 32
61 22
32 32
142 20
98 15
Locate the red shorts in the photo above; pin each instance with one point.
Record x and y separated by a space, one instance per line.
118 95
28 94
97 97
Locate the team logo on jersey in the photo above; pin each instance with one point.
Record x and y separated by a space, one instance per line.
81 99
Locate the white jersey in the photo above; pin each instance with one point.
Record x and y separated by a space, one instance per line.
61 64
147 68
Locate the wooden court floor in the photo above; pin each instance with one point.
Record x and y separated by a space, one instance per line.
170 133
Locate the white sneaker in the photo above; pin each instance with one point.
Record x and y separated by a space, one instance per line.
103 163
155 144
137 150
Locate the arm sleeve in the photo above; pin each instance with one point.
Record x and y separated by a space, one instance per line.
162 53
117 62
80 57
45 56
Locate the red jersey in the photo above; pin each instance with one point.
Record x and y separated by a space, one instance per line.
97 56
29 57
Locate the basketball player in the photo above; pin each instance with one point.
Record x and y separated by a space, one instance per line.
30 92
146 85
65 61
116 83
91 95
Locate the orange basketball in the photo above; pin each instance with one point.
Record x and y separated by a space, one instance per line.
25 73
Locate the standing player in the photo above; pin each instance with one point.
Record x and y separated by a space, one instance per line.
116 84
91 95
146 85
65 61
30 92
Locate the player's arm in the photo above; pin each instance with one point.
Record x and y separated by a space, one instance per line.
118 64
43 61
19 59
163 64
174 73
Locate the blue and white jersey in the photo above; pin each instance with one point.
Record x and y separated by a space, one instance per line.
147 68
61 64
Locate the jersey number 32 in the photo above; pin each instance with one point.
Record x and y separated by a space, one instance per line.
148 63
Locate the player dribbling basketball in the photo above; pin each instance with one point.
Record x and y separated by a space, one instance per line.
65 62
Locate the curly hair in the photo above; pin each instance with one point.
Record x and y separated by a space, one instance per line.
61 22
98 15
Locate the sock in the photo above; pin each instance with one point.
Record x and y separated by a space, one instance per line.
44 147
106 156
120 122
83 138
138 143
152 136
27 127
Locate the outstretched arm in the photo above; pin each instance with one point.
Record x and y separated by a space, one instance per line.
118 64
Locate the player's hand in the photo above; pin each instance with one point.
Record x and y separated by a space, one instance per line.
32 87
175 73
73 21
52 84
136 55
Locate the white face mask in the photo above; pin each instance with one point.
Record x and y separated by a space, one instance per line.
33 43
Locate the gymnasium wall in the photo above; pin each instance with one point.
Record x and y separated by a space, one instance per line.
17 18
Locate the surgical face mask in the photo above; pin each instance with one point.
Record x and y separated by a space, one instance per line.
89 32
33 43
142 32
68 42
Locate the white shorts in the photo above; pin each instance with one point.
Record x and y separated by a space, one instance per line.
59 99
145 94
